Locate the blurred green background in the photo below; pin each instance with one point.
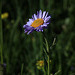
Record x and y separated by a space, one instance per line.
22 49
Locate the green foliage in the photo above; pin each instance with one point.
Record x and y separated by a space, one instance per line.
22 51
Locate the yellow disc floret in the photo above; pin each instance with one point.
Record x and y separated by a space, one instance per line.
37 23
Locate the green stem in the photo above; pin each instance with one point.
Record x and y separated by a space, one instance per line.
47 46
1 34
44 71
21 69
48 65
1 56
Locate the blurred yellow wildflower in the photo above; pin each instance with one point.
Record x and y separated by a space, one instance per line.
40 64
4 15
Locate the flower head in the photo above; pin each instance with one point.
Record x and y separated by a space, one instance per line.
37 22
4 15
40 64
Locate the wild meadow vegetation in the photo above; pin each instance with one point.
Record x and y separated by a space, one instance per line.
22 53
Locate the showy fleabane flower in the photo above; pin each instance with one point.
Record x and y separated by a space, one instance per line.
37 22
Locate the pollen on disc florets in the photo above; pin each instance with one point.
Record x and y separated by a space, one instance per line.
37 23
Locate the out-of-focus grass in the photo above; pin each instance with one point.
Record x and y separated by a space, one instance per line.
20 48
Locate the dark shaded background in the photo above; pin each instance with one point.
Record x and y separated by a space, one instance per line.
20 48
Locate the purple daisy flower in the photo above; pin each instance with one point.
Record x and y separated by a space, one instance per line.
37 22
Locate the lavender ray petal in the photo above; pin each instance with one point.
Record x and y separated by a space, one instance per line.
35 17
29 23
37 14
44 14
31 20
30 31
40 14
46 19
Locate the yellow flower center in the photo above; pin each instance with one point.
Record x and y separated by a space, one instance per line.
37 23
